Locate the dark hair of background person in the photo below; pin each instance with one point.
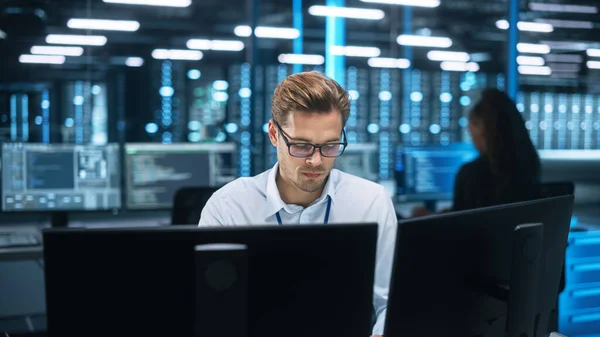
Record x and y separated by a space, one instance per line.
510 151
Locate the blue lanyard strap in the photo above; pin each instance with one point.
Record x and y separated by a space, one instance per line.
327 210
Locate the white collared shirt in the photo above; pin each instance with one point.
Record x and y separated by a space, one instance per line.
256 200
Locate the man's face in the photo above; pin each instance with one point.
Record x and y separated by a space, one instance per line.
309 173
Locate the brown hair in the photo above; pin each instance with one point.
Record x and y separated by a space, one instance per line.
309 92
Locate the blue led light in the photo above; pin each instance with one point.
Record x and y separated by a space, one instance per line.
13 117
69 122
220 96
265 127
245 92
465 86
416 97
194 125
45 116
446 97
221 137
354 95
25 117
463 122
435 129
245 119
282 72
78 102
373 128
385 95
231 127
96 89
166 91
404 128
194 74
220 85
38 120
465 101
194 137
151 128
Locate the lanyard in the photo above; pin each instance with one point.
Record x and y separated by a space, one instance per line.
326 213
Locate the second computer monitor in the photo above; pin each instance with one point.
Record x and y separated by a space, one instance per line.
427 173
154 172
60 177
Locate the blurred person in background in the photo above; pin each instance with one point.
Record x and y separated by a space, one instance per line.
508 167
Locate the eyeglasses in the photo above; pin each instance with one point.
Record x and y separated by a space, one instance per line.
305 150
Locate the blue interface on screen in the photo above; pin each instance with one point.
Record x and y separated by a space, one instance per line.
428 172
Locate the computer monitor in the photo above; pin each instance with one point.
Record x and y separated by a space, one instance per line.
60 177
443 262
427 173
360 159
154 172
306 280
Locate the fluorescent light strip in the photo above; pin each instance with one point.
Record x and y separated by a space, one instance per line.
355 51
558 8
424 41
177 54
83 40
573 24
346 12
567 58
56 50
98 24
385 62
267 32
459 66
593 64
134 61
439 55
42 59
530 60
415 3
533 48
527 26
301 59
220 45
593 52
161 3
531 70
566 45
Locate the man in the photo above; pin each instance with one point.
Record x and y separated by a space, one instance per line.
309 114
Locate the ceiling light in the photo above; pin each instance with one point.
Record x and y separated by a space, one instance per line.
42 59
346 12
593 52
558 8
533 48
593 64
527 26
439 55
424 41
162 3
98 24
301 59
134 62
573 24
459 66
566 45
533 70
267 32
177 54
84 40
222 45
355 51
384 62
56 50
416 3
530 60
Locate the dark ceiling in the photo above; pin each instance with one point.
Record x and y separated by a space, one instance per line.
470 23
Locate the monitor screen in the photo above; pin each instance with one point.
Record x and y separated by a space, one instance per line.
428 172
60 177
360 160
155 172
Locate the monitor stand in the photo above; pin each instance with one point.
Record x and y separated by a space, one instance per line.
221 298
59 219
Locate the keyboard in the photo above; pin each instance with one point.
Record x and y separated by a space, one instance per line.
18 239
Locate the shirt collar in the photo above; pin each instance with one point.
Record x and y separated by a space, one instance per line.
273 198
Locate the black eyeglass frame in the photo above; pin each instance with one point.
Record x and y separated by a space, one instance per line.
289 144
